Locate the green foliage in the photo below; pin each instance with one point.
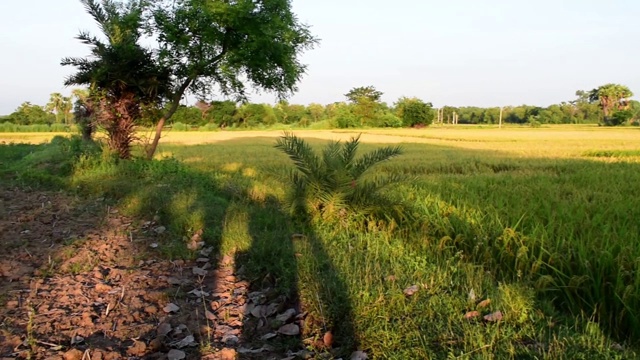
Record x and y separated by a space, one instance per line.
227 44
187 115
334 184
221 112
389 120
29 114
414 112
359 94
619 117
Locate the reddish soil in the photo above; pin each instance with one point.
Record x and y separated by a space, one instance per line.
79 281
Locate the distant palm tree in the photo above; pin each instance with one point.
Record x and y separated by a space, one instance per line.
336 183
56 105
122 74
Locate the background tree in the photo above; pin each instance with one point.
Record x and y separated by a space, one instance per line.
611 97
357 94
414 112
366 103
227 45
30 114
122 73
57 106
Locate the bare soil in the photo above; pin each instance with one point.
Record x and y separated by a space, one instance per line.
80 281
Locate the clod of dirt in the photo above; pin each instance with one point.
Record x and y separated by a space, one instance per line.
472 315
137 349
484 303
73 354
327 339
227 354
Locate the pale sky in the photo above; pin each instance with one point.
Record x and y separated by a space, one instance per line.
455 52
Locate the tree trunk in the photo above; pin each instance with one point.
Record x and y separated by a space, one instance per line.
151 150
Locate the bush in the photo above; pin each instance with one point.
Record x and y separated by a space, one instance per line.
334 184
389 120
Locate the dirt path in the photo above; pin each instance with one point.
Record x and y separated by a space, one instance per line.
79 281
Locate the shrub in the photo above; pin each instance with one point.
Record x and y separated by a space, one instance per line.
335 184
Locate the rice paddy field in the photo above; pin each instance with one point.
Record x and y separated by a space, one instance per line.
544 223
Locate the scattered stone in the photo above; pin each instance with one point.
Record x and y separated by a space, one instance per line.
286 316
289 329
493 317
410 291
186 342
176 355
230 339
171 307
268 336
198 271
160 230
164 329
359 355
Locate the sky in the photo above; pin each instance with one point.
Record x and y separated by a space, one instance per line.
456 52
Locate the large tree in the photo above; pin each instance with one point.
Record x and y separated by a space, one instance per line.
611 98
366 103
227 46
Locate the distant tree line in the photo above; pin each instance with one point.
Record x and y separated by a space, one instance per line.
362 108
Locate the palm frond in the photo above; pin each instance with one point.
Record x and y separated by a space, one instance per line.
302 155
349 151
369 160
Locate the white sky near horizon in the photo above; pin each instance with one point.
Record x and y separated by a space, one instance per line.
457 52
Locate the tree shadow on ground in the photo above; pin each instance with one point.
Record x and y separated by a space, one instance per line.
277 250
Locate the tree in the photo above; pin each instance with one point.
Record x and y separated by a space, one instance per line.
357 95
414 112
121 73
366 103
229 45
59 105
611 97
29 114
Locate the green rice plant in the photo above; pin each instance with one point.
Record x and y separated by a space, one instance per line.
335 184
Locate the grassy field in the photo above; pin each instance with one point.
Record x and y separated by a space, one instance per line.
543 222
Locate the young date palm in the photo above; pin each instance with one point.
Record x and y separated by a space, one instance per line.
335 183
122 74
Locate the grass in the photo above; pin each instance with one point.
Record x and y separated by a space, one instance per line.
536 220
